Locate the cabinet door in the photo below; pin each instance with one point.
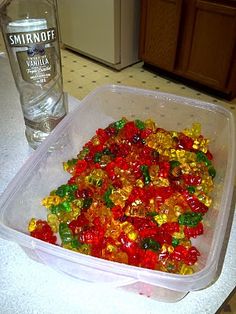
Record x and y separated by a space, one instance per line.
213 43
159 32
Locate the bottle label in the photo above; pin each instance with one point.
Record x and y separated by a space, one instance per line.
35 55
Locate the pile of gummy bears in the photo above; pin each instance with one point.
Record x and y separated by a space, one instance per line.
137 194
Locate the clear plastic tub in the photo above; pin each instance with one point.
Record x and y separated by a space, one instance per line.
43 172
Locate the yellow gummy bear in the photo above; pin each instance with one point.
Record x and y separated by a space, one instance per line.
96 177
160 219
53 222
186 270
167 248
179 235
132 235
32 224
194 132
150 124
51 200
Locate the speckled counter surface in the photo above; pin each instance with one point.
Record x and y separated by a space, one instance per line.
30 287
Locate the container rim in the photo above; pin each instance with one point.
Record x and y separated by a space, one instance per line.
114 88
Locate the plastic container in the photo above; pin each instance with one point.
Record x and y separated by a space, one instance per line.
43 172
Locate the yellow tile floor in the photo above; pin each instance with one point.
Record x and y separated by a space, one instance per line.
81 75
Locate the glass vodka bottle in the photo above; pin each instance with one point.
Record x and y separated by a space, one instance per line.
30 31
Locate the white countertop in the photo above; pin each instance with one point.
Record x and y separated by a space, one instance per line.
30 287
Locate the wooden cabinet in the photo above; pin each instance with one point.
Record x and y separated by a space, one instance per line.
193 39
160 29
